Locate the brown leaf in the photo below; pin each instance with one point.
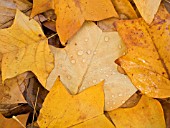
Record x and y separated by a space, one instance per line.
8 9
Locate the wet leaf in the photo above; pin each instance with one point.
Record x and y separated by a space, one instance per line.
147 9
147 55
88 59
61 109
72 14
25 47
148 113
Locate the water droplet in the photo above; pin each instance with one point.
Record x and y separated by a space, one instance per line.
108 103
80 53
84 88
69 77
124 53
94 81
114 103
120 94
94 53
87 39
106 38
111 107
123 101
73 61
88 52
113 95
107 75
120 46
84 60
101 79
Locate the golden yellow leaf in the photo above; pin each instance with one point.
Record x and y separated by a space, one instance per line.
143 61
25 48
148 113
147 9
123 7
88 59
160 33
61 109
96 122
71 14
11 123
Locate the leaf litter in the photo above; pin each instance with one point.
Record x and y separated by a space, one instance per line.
140 47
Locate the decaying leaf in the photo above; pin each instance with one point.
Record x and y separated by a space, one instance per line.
88 59
25 48
8 123
61 109
96 122
147 9
72 14
10 91
8 9
148 113
146 54
123 7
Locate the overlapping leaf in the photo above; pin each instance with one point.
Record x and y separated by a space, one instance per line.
8 9
71 14
88 59
61 109
25 48
147 9
147 60
148 113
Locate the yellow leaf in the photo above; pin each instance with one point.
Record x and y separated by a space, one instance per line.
143 61
11 123
88 59
25 48
123 7
147 113
160 33
61 109
96 122
71 14
147 9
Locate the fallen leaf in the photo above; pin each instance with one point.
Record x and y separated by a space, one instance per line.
61 109
159 31
88 59
31 95
132 101
166 106
25 48
148 113
72 14
10 91
8 110
124 7
144 62
147 9
107 25
96 122
8 10
8 123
